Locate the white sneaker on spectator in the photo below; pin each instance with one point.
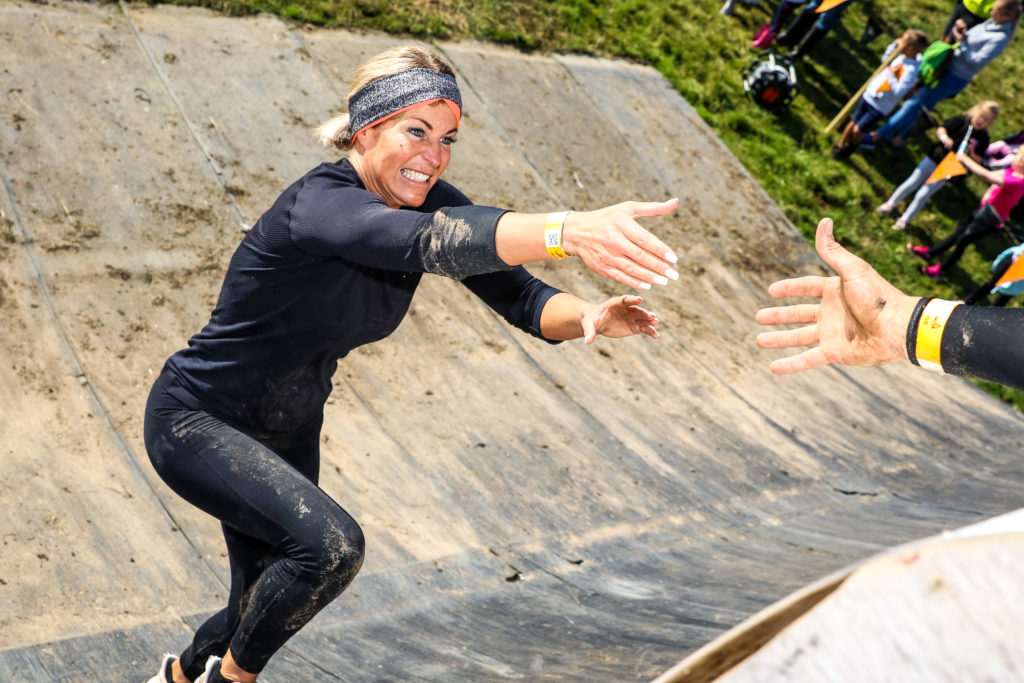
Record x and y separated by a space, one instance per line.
886 208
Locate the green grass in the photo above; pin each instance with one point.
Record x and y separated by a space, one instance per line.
703 54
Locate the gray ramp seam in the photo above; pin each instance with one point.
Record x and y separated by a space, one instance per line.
218 174
26 240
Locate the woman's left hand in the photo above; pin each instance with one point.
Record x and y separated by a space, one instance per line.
617 317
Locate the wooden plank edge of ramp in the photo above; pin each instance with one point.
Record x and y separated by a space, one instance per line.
734 646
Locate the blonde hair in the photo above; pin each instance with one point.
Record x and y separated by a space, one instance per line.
986 107
337 132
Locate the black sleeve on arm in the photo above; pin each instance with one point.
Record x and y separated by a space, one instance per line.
515 295
985 342
331 218
459 242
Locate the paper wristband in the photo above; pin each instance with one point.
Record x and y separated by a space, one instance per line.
553 234
929 333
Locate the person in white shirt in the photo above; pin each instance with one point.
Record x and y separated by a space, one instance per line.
884 91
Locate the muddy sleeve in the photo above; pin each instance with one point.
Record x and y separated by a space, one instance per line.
985 342
328 219
516 296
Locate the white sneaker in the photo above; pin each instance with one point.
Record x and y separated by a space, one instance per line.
212 665
900 224
164 674
886 208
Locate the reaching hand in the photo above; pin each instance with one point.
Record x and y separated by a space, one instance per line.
611 243
860 320
620 316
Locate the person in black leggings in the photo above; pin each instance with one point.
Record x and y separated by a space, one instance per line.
863 320
233 421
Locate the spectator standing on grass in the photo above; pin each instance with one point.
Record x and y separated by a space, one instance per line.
970 12
951 134
1006 189
977 47
884 91
810 27
768 32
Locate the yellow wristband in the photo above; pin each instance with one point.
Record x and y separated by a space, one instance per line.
553 234
929 333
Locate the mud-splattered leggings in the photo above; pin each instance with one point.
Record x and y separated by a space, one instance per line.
291 548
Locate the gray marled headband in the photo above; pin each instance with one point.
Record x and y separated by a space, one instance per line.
395 92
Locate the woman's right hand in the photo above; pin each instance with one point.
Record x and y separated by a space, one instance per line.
611 243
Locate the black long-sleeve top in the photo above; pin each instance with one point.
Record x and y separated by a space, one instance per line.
328 268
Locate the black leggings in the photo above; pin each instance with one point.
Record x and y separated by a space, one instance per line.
291 548
982 222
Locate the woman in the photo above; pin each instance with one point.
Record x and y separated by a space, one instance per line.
233 421
860 319
975 121
977 47
1005 190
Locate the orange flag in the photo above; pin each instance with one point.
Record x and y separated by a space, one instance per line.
1013 273
947 168
950 165
885 84
826 5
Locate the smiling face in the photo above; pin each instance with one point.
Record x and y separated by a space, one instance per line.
982 120
401 158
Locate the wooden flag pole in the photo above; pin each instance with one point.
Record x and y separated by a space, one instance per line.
845 111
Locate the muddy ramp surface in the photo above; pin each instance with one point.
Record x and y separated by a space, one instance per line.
532 511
